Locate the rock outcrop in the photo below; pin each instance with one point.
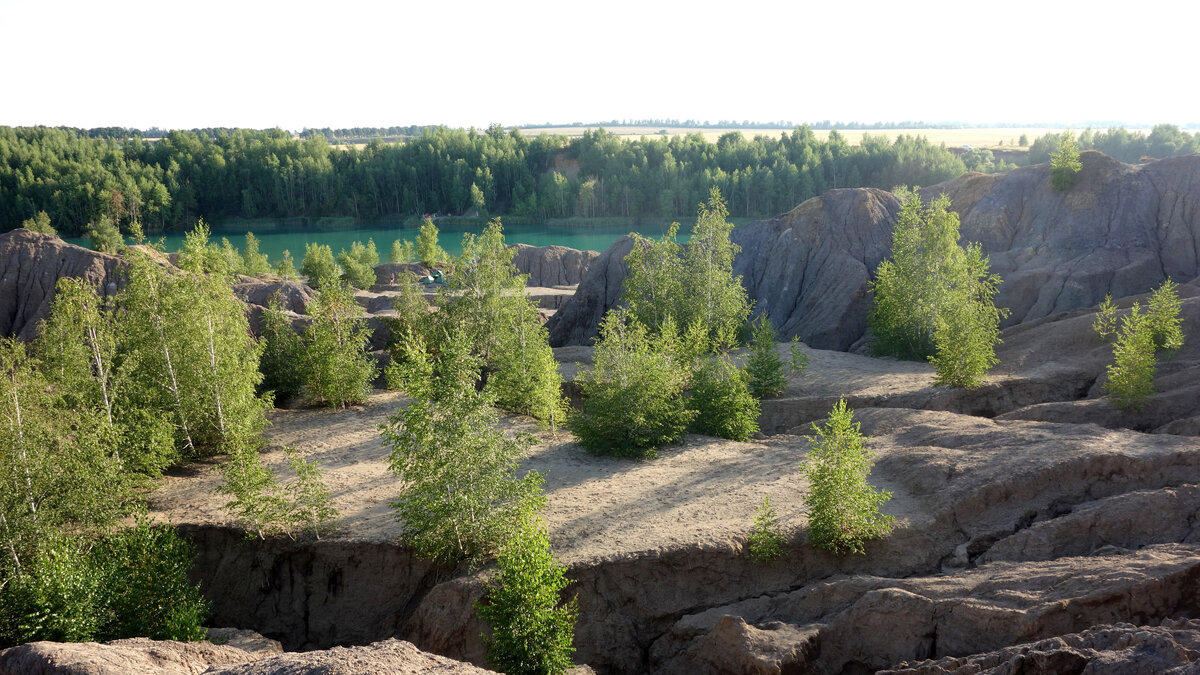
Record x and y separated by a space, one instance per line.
1121 649
165 657
30 266
1120 230
135 655
576 322
293 295
549 266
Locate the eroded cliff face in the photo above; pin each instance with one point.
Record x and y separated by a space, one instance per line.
30 266
1120 230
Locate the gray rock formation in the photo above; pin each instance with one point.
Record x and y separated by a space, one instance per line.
30 266
121 657
246 654
1121 649
293 295
575 323
553 265
1120 230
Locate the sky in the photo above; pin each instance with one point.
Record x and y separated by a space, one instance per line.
296 65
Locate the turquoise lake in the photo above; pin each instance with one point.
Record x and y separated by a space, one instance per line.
274 240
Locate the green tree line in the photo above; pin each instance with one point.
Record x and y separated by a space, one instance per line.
185 175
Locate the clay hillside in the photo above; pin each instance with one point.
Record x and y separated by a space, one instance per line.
1038 528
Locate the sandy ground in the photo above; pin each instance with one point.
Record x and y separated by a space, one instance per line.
703 492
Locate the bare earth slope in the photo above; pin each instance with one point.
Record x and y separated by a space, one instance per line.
1007 531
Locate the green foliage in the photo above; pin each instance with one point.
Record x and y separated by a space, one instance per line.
765 543
722 400
254 263
933 299
1163 316
1065 164
318 265
39 223
461 497
105 236
633 393
402 251
764 366
146 586
198 254
243 173
967 330
337 368
357 264
56 465
282 353
59 596
131 583
653 289
265 507
428 251
196 361
1105 324
287 266
532 629
799 360
843 509
1131 374
231 258
693 286
486 302
256 504
310 503
1023 141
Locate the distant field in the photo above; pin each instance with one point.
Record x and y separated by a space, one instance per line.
986 137
983 137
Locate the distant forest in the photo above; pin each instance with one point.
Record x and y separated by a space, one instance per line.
77 176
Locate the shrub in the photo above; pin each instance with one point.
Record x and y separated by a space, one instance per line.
1105 324
1163 316
105 236
764 366
147 587
765 543
39 223
933 299
461 498
843 509
337 368
722 401
264 507
359 264
56 596
1131 374
318 265
287 266
280 362
532 629
633 394
402 251
1065 164
428 251
254 263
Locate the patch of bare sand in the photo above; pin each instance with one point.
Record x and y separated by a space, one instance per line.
704 491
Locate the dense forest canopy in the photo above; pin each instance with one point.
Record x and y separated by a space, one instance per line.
77 176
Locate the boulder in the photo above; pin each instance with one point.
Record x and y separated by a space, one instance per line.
553 265
30 266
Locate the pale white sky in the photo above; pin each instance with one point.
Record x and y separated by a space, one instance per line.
356 63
